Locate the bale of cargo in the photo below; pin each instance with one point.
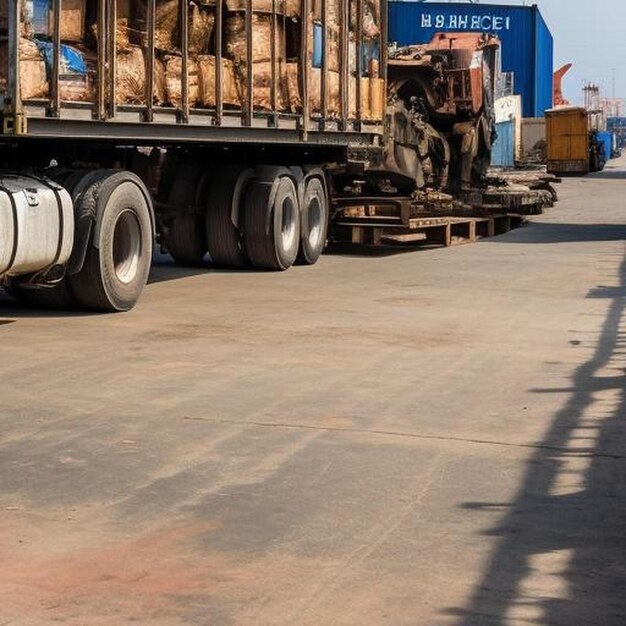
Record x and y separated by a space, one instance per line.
122 33
263 87
377 99
259 6
362 112
201 24
167 36
236 40
76 88
131 77
333 93
370 20
33 75
230 91
166 24
292 85
174 81
294 93
72 20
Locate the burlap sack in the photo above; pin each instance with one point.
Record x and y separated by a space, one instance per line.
33 76
378 99
258 6
131 77
263 87
167 24
333 84
333 11
370 25
230 91
122 33
201 24
236 42
72 21
292 80
333 92
174 82
76 89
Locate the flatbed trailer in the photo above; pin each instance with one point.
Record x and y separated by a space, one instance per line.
232 163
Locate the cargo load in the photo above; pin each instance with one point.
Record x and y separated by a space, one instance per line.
271 38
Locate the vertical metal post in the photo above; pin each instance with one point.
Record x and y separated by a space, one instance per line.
344 62
55 95
384 29
359 57
273 26
249 113
112 60
184 17
304 67
219 100
101 78
13 100
151 39
325 47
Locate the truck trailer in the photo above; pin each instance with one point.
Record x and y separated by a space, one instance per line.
233 130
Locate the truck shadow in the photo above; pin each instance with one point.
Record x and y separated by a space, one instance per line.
561 552
537 232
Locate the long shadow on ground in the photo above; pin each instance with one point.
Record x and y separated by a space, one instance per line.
586 443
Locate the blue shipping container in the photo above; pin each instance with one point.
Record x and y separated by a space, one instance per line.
503 150
607 140
527 44
617 126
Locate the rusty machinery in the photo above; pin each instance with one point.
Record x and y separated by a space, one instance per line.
441 122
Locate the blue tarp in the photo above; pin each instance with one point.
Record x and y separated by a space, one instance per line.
72 61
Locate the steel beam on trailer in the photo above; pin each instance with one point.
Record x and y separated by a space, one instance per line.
136 133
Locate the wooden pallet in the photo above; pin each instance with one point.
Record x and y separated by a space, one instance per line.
439 231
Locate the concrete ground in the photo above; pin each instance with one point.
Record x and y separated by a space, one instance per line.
427 438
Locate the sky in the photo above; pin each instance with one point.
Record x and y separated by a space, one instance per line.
591 34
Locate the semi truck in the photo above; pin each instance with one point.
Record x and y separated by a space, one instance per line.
233 132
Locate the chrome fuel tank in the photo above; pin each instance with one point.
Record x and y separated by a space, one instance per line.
36 224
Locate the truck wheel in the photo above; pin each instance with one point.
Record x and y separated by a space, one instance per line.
272 221
314 222
186 238
118 257
223 216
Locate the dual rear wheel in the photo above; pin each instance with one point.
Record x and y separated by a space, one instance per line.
268 217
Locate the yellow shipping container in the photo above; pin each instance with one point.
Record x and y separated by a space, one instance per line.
567 134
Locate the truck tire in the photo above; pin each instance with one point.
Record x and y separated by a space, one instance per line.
59 296
186 237
272 220
223 216
314 221
117 262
